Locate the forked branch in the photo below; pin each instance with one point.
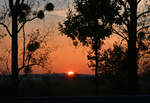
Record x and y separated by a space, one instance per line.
6 27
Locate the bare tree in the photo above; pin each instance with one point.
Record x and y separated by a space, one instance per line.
35 51
20 12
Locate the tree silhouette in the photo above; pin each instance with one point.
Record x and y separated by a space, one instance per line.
143 51
113 60
20 12
131 24
113 67
90 24
32 55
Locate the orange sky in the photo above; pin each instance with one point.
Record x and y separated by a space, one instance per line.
66 57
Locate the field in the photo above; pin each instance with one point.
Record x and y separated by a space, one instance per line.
63 87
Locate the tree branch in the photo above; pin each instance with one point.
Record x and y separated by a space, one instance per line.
145 27
146 12
116 32
26 22
11 4
30 65
22 1
6 27
121 42
17 2
138 2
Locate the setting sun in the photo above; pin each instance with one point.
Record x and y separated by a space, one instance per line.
70 73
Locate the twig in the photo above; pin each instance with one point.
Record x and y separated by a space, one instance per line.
6 27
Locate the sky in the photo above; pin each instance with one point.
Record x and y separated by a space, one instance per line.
65 56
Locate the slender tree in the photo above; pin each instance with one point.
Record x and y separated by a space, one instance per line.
20 13
32 55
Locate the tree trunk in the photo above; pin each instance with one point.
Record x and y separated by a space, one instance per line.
96 67
96 57
14 58
132 51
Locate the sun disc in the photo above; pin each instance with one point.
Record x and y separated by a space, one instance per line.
70 73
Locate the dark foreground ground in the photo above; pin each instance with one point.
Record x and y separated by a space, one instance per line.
98 99
66 87
60 86
70 90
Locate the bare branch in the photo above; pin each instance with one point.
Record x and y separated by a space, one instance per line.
22 1
17 2
30 65
11 4
138 2
26 22
6 27
116 32
146 12
121 42
144 27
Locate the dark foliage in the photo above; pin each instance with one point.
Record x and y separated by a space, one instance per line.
27 70
113 62
40 14
49 7
33 46
90 24
22 10
93 19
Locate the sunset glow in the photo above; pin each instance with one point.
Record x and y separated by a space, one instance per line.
70 73
62 55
